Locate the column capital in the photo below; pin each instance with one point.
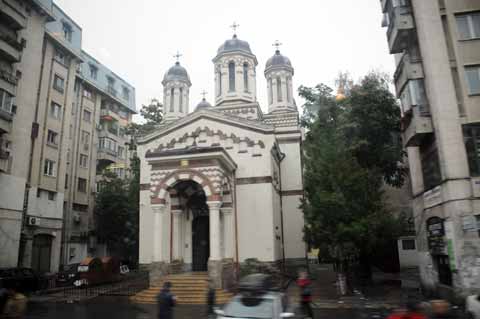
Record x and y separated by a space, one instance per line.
214 204
176 212
158 208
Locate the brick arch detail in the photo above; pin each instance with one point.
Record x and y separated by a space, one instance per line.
161 189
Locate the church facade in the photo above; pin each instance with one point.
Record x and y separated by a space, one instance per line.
223 183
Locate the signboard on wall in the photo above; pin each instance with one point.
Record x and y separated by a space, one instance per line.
435 235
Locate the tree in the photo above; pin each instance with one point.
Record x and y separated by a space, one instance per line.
153 114
344 206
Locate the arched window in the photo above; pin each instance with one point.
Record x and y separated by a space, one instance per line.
270 91
219 85
245 77
288 90
172 97
279 90
181 100
231 76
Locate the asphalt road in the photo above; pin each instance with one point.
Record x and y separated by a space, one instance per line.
119 308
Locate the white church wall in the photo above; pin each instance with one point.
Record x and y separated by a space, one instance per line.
146 229
291 166
255 222
293 227
228 233
277 224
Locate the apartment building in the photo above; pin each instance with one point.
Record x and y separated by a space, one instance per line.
22 28
437 52
104 105
52 95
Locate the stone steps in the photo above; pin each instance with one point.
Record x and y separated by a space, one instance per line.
189 289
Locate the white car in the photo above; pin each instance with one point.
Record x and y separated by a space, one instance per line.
270 305
472 306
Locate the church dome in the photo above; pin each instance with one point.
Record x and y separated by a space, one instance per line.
202 105
278 60
234 45
176 73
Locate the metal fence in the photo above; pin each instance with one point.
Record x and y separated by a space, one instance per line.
129 285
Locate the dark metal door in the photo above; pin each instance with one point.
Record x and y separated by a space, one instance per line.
200 243
41 254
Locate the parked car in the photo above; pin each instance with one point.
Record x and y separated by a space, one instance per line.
256 299
94 271
23 279
472 307
68 275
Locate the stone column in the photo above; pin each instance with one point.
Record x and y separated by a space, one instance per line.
158 211
215 262
177 234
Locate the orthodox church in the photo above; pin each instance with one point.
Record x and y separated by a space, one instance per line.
223 183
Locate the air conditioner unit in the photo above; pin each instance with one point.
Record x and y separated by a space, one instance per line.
33 221
76 218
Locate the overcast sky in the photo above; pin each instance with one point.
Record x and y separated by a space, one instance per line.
138 38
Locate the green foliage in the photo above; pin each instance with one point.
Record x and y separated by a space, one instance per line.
116 209
351 149
153 114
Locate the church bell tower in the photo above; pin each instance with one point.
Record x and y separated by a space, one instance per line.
176 87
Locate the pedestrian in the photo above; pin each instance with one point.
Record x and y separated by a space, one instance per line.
3 298
409 312
16 304
166 302
305 294
441 309
210 299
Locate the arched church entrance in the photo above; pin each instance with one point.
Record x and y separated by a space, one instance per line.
192 202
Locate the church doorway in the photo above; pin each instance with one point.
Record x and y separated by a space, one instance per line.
193 202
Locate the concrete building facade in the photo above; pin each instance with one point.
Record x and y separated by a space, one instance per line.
49 134
437 51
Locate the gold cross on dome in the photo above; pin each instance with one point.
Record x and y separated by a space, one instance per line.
204 93
234 26
277 45
177 56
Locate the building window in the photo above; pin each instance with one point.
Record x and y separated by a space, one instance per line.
61 57
49 168
111 86
289 98
88 94
416 96
430 163
172 97
83 162
55 110
279 90
471 136
180 99
67 31
120 172
52 137
270 91
108 144
66 181
245 77
87 116
6 101
121 152
51 195
408 244
473 79
85 138
469 25
126 93
93 71
80 207
82 185
219 74
58 83
477 218
231 76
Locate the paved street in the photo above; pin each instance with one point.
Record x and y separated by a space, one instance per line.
119 308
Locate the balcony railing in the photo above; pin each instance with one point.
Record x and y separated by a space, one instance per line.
8 76
416 124
401 22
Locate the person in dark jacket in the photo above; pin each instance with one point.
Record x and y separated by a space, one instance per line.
210 299
166 302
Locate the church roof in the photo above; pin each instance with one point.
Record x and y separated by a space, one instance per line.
233 45
202 105
176 73
278 60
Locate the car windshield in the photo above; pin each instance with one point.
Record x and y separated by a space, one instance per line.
249 308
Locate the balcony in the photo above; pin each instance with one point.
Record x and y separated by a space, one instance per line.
10 48
13 14
400 29
407 69
107 155
416 125
111 90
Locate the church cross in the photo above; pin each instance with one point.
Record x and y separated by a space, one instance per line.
204 93
234 26
277 45
177 56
